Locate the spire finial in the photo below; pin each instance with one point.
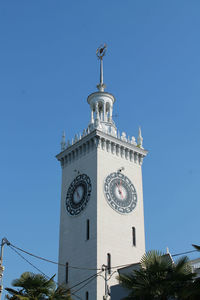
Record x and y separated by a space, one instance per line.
101 51
63 143
140 138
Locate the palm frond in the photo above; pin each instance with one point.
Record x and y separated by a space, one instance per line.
159 277
196 247
182 265
150 258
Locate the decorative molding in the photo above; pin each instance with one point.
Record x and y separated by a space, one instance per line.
99 141
103 127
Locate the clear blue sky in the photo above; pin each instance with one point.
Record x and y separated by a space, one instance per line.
48 67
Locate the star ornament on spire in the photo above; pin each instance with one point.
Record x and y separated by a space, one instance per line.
101 51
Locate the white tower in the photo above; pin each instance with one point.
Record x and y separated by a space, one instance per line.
101 219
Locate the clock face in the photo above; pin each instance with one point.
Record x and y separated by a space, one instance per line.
120 193
78 194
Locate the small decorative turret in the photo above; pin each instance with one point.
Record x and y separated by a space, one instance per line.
101 103
140 139
63 143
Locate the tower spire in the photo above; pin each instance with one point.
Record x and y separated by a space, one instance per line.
101 51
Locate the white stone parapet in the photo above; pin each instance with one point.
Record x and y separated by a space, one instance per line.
98 139
87 131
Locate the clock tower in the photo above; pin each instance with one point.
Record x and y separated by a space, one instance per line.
101 217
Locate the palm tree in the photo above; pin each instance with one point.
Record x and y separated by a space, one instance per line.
193 291
158 277
37 287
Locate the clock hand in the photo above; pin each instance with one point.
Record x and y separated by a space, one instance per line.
121 189
118 187
78 194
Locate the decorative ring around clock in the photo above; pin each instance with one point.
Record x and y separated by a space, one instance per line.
78 194
120 193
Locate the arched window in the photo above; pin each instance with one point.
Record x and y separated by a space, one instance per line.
100 107
107 111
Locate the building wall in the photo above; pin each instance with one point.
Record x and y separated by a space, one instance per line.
114 230
110 231
195 264
73 246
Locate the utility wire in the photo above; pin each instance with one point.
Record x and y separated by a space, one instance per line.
85 284
91 277
96 275
84 268
69 289
57 263
51 261
177 254
36 267
87 280
112 274
184 253
28 262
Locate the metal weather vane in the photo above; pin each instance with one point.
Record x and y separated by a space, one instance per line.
101 51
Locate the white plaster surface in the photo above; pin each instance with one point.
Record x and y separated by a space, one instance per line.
73 246
110 232
114 231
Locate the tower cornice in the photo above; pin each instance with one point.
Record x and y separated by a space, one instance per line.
122 143
103 141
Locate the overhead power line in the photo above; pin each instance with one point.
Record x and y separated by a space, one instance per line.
53 262
187 252
85 268
87 280
177 254
90 278
57 263
94 276
47 275
28 261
